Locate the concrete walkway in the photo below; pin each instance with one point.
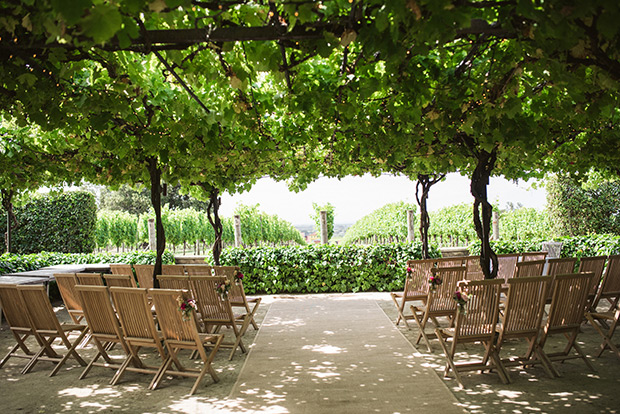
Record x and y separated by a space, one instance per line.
336 354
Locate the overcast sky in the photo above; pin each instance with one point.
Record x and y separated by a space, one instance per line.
355 197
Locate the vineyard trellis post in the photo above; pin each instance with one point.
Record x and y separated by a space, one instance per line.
324 234
410 225
495 225
238 239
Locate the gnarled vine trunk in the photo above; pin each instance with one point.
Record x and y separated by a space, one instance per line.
425 182
483 210
214 218
11 222
156 189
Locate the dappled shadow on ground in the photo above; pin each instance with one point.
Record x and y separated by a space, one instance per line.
577 390
37 393
320 378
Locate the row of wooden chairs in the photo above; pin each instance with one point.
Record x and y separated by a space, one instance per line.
521 318
604 285
114 315
214 313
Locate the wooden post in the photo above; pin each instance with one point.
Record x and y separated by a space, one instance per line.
410 225
152 235
8 234
495 225
238 240
324 235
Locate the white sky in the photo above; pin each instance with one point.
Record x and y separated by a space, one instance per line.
355 197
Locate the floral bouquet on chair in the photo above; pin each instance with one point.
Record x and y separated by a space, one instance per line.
238 278
222 288
185 307
461 299
433 282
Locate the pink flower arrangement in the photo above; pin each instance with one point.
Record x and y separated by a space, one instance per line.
461 299
238 278
434 281
222 288
186 306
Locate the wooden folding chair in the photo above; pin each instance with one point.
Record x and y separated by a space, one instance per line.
567 312
416 287
181 333
16 315
105 329
522 317
610 285
203 270
450 261
561 266
596 265
144 275
529 268
138 327
439 303
604 321
174 282
119 280
529 256
172 269
475 324
66 283
93 279
237 296
47 327
474 270
507 266
216 311
121 269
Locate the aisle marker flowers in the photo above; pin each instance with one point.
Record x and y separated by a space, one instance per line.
186 306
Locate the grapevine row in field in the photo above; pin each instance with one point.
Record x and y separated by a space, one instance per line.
450 226
192 227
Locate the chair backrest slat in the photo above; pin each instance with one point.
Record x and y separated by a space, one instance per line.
203 270
94 279
441 299
450 261
611 281
420 273
507 265
531 268
39 308
474 270
66 283
529 256
568 304
481 309
144 275
14 308
210 304
98 310
525 305
172 324
120 280
172 269
134 313
121 269
174 282
236 293
596 265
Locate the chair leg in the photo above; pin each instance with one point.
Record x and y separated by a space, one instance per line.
422 326
449 357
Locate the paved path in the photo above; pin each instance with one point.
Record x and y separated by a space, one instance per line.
336 354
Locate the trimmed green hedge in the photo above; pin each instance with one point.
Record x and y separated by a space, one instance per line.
64 222
10 263
578 246
323 268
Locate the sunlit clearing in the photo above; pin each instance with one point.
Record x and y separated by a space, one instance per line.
324 349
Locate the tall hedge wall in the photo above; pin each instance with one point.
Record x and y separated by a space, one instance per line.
324 268
64 223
